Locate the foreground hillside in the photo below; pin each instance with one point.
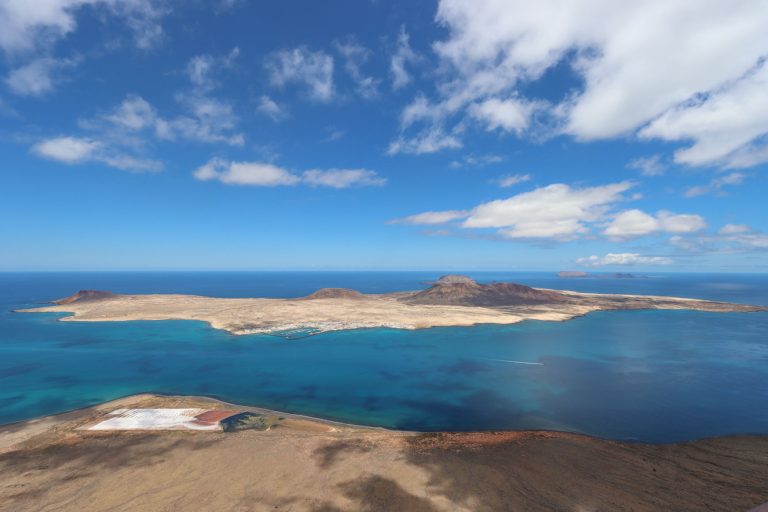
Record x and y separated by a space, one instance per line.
311 465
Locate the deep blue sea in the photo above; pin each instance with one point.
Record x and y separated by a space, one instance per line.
652 376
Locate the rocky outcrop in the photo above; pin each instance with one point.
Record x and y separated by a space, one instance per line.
458 290
85 296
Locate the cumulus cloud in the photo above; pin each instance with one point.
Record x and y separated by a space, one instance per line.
689 71
561 212
509 115
74 150
245 173
633 223
721 124
310 69
121 135
69 150
556 211
38 77
269 175
716 185
626 258
27 26
400 60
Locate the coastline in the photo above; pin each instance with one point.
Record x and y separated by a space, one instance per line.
322 465
351 310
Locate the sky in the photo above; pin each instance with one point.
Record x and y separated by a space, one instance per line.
487 134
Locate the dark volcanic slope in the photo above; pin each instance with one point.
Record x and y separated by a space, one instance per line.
85 296
462 291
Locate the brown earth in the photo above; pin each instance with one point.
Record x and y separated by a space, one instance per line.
334 293
311 465
85 296
462 291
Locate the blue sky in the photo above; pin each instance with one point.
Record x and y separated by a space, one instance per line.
159 134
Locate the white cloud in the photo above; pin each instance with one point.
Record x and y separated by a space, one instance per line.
130 163
648 166
721 123
433 217
211 120
70 150
399 62
476 161
245 173
355 56
269 175
29 25
38 77
561 212
734 229
716 184
625 258
74 150
135 113
556 211
201 69
731 238
342 178
300 65
680 222
334 133
430 141
633 223
688 68
271 109
511 114
514 179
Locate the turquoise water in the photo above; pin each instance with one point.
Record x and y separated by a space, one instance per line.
655 376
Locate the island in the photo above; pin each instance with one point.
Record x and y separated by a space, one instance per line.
452 300
572 274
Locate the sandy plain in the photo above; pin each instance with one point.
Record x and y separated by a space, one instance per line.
261 315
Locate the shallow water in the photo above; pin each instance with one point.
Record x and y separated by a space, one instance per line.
656 376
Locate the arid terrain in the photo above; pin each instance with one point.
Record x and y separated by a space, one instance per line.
451 301
301 464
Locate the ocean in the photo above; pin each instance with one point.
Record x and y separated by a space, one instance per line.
649 376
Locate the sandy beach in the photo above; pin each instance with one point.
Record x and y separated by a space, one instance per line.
305 464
